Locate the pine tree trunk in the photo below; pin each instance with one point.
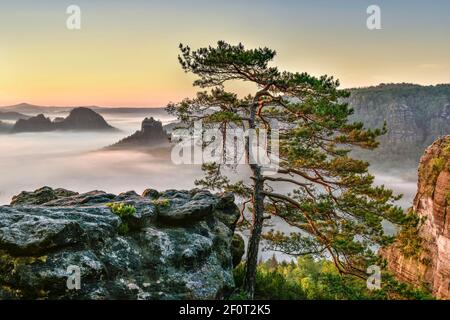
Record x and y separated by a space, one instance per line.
253 245
258 208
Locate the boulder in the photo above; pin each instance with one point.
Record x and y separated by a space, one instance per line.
178 245
40 196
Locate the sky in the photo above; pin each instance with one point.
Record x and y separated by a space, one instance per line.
125 53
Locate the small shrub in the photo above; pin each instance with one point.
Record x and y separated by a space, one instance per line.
409 239
161 202
446 150
431 173
437 164
124 211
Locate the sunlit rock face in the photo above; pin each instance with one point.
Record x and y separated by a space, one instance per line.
431 266
177 245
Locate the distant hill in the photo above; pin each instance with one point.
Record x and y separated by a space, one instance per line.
24 108
415 116
12 115
31 109
79 119
129 110
5 127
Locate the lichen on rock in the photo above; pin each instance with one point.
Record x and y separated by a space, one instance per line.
178 251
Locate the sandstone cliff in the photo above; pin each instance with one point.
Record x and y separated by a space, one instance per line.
176 245
415 116
422 256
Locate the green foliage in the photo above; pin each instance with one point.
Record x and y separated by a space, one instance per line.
125 212
409 239
446 150
215 180
334 204
270 285
309 279
430 173
161 202
437 164
122 210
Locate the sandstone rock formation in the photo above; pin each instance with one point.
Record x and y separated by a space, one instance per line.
39 123
79 119
151 134
83 119
429 265
177 245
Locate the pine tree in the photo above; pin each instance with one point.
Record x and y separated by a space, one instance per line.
332 201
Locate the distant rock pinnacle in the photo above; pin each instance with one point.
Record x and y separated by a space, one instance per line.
151 134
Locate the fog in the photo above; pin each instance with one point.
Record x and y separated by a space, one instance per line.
73 160
402 182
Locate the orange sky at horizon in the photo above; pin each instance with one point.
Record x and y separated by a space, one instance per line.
125 54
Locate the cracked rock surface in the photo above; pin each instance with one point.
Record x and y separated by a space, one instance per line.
178 245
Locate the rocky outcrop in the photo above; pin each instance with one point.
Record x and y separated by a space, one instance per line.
83 119
39 123
79 119
176 245
427 265
40 196
151 134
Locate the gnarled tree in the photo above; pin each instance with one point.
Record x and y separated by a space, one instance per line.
331 199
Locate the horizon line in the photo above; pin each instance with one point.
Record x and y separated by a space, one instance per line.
130 106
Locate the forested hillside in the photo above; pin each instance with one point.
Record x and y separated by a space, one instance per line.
415 116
